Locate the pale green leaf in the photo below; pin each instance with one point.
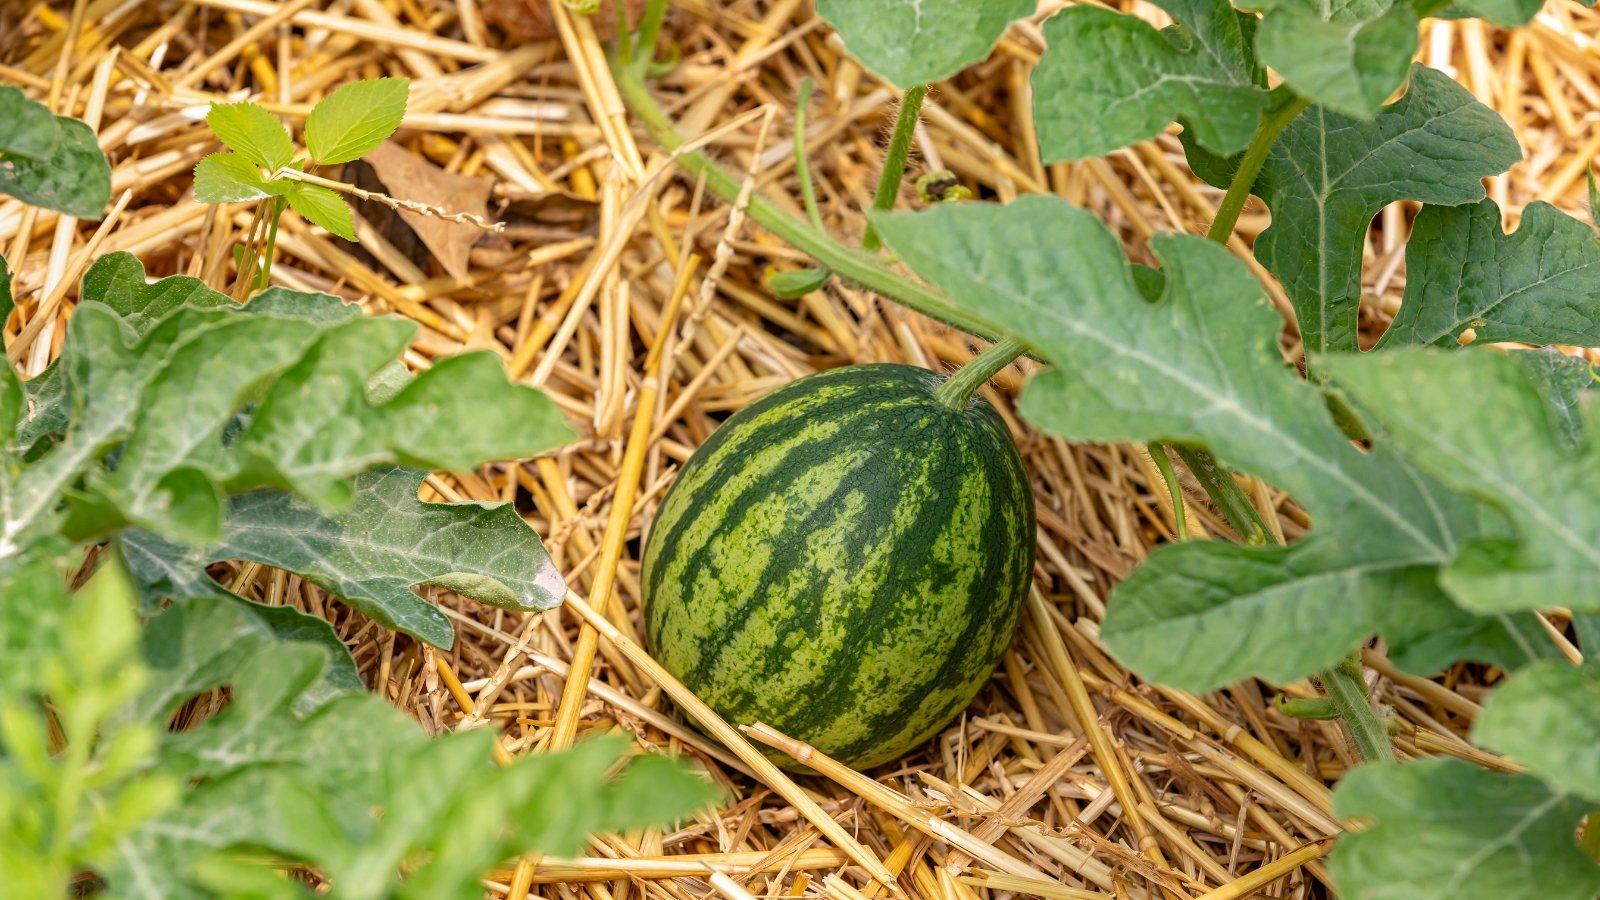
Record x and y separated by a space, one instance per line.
797 283
227 178
1443 829
324 207
75 180
353 120
1538 285
1328 175
30 130
1200 71
252 132
371 552
1506 446
1348 57
1547 718
1201 367
912 42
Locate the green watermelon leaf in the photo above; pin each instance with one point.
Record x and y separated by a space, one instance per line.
252 132
370 553
75 179
1347 57
1200 70
1497 835
1594 199
1539 284
1329 174
1201 367
1562 381
1507 447
353 120
31 130
912 42
1548 719
283 769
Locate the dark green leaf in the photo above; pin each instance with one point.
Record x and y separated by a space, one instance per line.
1347 57
797 283
1508 13
31 130
1328 175
1548 719
1443 829
324 207
372 552
1562 380
1506 446
1538 285
75 180
1200 70
252 132
198 642
228 178
117 280
912 42
1201 367
353 120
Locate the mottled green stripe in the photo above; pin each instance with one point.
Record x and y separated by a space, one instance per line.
845 559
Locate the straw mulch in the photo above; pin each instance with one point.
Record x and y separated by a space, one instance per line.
1067 777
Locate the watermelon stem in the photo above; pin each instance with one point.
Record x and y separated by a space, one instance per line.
894 161
957 390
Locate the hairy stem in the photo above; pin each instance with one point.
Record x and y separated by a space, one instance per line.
853 265
957 390
644 50
894 160
1255 156
1348 691
802 168
1169 475
1230 499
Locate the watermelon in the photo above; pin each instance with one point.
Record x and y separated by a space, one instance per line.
845 560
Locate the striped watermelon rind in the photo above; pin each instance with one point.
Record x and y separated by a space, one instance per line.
845 559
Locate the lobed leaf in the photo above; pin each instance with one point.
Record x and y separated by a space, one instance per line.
912 42
1201 367
1201 70
1348 57
1548 719
354 120
1499 836
1562 381
1507 447
75 179
371 553
348 786
1329 174
1540 284
252 132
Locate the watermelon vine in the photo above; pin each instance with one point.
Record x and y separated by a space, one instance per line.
1452 526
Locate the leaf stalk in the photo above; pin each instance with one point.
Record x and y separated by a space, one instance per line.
895 158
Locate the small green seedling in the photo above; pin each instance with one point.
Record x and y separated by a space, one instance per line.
262 162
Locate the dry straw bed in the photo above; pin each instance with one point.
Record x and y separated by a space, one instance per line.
636 300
